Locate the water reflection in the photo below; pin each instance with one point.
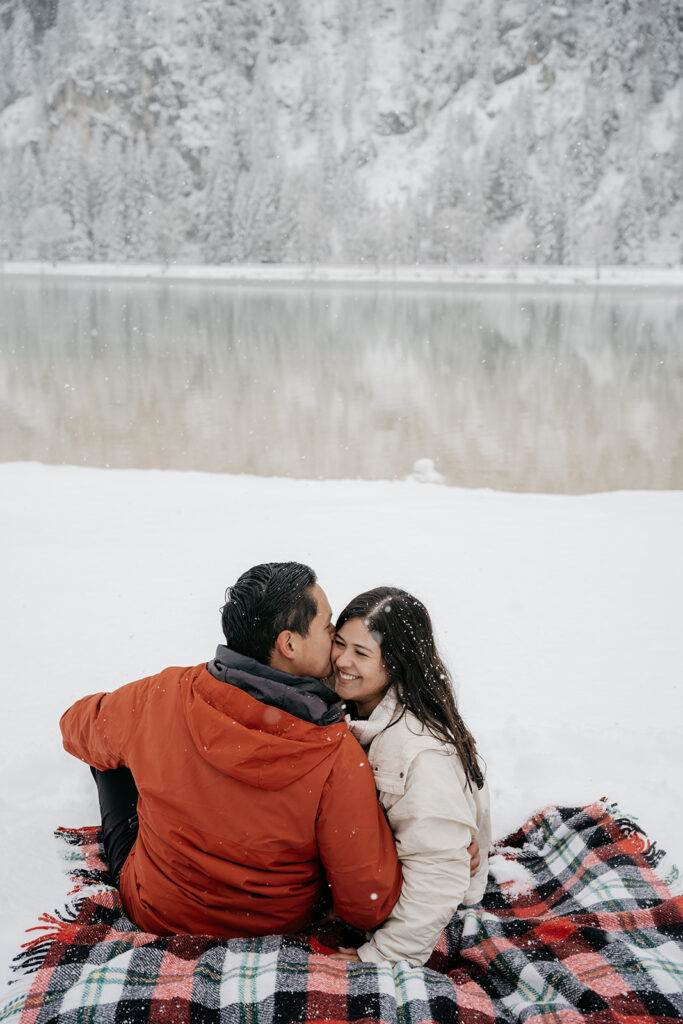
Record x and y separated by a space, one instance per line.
512 389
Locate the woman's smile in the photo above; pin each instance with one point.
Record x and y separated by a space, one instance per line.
359 670
344 677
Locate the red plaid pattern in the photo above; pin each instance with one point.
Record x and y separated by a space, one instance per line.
596 938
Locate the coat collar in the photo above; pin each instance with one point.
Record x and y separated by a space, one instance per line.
366 729
301 696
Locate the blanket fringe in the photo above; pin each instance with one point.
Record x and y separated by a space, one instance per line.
53 927
656 857
55 921
74 836
58 926
650 851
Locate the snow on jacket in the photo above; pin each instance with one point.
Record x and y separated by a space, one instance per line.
434 815
243 806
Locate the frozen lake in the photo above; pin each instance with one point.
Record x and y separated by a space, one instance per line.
514 388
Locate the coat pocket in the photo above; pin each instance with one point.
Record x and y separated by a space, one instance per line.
388 781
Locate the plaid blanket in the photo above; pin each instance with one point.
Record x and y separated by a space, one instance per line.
578 924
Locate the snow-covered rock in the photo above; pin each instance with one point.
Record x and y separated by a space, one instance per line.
425 473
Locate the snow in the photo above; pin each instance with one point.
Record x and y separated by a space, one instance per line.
416 273
511 874
560 616
19 123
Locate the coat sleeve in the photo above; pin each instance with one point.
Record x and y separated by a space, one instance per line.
478 884
433 826
355 843
97 729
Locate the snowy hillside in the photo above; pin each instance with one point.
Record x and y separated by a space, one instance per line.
437 131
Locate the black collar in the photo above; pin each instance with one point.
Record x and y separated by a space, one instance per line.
301 696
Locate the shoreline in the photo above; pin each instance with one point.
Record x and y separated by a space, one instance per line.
473 274
408 480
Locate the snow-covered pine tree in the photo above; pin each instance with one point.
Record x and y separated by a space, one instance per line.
20 77
222 177
108 226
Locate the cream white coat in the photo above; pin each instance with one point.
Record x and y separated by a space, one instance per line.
434 816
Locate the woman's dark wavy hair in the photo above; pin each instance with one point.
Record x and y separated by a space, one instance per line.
402 627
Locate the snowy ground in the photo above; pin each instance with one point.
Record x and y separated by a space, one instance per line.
560 616
475 273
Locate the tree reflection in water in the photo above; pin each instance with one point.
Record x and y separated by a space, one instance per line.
517 389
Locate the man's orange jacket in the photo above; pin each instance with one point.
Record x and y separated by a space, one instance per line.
243 807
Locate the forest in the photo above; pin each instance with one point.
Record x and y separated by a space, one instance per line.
345 131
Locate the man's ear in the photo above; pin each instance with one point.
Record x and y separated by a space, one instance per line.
285 645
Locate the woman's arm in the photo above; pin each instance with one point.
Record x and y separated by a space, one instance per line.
433 825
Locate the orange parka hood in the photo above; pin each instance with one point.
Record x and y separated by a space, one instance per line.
268 741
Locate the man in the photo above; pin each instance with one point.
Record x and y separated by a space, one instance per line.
250 790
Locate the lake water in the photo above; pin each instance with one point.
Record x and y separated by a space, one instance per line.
512 388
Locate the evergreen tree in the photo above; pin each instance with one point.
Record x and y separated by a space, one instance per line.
20 78
11 184
45 233
167 184
125 32
108 227
485 45
664 49
76 204
674 159
287 23
586 147
222 179
504 171
307 243
136 201
67 29
30 190
258 231
242 25
6 80
546 221
418 17
630 220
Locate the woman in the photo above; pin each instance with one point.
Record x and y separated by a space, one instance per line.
401 709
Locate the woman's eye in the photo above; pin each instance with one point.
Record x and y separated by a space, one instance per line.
338 641
361 654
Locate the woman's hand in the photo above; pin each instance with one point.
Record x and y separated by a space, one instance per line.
475 857
345 953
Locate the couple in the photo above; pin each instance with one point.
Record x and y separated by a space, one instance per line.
240 797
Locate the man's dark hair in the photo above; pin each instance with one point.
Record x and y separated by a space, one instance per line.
265 600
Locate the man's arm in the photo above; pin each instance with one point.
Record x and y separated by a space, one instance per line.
355 842
475 857
96 729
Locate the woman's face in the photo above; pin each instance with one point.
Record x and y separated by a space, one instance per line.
359 672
